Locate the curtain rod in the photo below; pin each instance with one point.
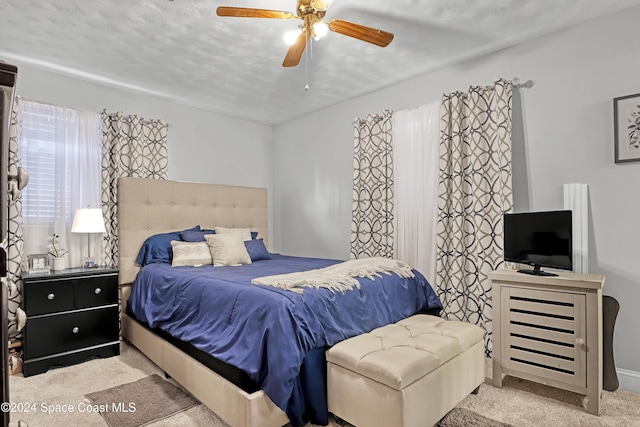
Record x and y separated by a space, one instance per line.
517 83
60 106
22 98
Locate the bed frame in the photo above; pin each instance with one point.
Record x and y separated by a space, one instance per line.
149 206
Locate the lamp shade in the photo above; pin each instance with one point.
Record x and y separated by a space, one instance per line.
88 220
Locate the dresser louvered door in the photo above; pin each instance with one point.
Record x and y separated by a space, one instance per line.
544 334
548 329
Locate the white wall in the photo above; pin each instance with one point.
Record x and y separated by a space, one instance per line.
563 133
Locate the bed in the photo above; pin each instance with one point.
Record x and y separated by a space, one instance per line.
148 207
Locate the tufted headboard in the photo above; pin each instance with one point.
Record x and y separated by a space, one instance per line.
151 206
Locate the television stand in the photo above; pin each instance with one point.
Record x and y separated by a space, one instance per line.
537 272
549 330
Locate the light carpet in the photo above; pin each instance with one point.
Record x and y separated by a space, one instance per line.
519 402
68 386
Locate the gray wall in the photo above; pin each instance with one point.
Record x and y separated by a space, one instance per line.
203 146
563 130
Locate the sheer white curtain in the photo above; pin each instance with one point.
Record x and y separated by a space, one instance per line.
416 142
61 150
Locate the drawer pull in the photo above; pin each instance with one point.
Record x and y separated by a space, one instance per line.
75 330
50 297
98 291
579 341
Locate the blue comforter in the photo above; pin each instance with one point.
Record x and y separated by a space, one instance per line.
265 331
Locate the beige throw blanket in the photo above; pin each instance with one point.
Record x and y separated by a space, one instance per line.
338 277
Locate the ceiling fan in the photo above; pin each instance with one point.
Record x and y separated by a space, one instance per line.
311 13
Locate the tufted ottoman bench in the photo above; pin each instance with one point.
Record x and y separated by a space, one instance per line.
410 373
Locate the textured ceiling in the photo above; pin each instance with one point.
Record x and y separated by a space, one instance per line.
182 51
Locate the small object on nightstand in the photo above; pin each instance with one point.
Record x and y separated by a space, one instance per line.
38 264
57 253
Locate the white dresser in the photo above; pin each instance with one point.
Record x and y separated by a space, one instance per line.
548 329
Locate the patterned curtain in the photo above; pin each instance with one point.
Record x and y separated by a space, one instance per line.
15 252
474 192
131 146
372 217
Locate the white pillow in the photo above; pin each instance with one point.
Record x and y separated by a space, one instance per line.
227 249
244 232
190 253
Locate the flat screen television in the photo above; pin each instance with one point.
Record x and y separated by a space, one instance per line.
540 239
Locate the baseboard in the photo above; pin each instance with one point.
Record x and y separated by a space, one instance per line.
629 380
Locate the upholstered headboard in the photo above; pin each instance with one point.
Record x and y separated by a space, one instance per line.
151 206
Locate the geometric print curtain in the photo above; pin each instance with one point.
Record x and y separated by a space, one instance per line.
15 241
372 213
474 191
131 146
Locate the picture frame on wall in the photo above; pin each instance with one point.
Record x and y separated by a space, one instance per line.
38 264
626 123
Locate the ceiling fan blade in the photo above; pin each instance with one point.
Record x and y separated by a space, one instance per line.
243 12
295 51
360 32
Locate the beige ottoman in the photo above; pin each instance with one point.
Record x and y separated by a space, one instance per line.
407 374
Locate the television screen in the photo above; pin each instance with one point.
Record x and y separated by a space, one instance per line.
540 239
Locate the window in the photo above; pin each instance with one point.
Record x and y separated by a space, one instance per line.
38 157
60 150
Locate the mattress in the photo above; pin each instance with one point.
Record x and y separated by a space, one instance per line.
266 332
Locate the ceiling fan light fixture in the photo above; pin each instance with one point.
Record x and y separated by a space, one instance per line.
290 37
320 29
311 13
321 4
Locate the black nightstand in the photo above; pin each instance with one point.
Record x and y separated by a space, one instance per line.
72 316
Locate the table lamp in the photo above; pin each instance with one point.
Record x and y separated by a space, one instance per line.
90 221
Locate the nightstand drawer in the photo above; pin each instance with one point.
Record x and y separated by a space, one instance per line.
95 291
47 297
58 333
